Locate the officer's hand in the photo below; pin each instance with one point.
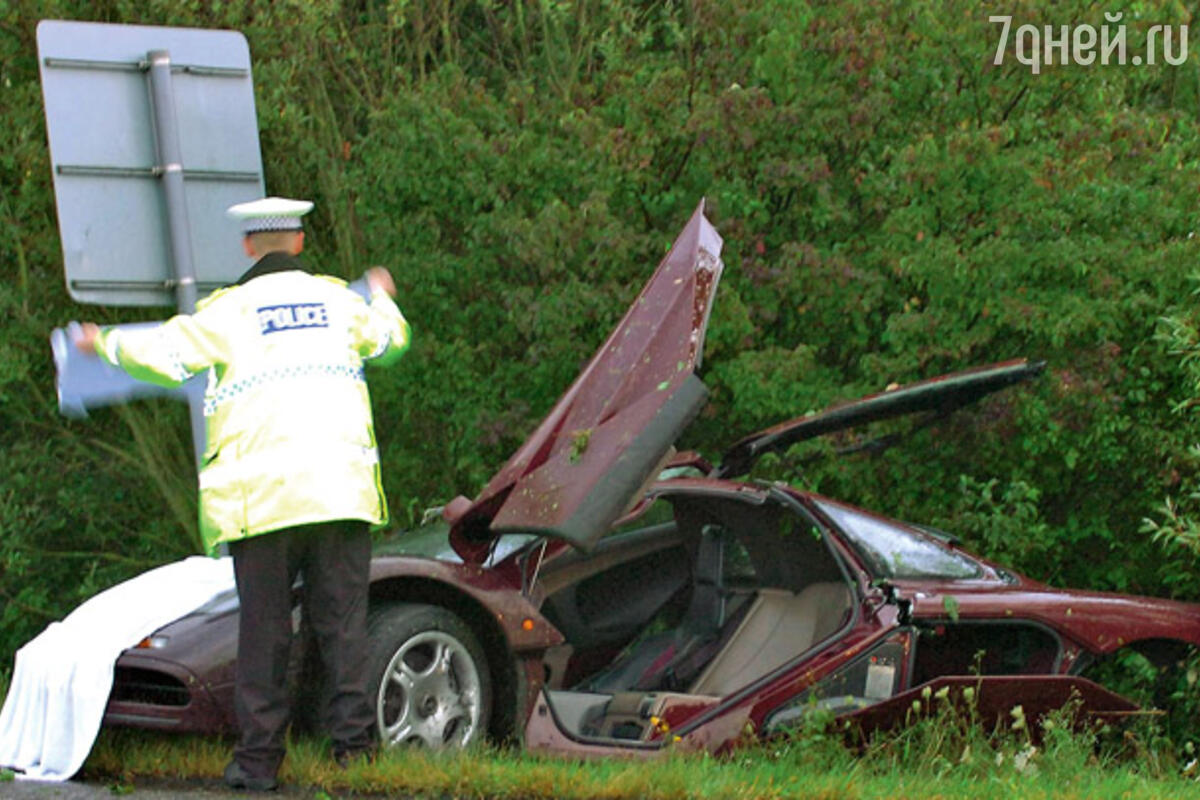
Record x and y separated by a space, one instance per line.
86 336
379 279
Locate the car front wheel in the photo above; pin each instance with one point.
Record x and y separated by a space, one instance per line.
429 677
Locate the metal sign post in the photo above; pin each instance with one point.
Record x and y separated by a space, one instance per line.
170 164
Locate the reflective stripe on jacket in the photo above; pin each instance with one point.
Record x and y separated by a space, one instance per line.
290 440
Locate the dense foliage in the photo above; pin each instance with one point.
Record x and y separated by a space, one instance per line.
894 205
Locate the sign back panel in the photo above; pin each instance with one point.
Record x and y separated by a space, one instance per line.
112 213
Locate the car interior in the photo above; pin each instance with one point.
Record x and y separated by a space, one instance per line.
698 598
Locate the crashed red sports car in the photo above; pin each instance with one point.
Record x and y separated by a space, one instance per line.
604 594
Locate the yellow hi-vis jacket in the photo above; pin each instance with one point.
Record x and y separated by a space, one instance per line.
290 438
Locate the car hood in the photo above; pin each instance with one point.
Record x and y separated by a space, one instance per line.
616 424
939 396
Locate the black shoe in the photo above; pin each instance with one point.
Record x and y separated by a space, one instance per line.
236 777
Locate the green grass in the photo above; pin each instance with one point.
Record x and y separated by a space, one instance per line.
943 756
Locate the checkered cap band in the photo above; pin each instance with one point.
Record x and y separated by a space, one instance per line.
262 224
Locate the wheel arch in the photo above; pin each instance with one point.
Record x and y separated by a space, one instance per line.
507 680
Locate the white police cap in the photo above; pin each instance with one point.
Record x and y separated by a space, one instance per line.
270 214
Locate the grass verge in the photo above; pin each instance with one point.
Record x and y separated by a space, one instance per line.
943 755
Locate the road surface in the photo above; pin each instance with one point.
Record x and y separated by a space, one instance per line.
148 790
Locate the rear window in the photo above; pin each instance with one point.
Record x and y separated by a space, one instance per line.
894 551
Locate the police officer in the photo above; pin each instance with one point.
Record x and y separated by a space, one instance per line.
290 474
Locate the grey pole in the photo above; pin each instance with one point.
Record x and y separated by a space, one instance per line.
170 166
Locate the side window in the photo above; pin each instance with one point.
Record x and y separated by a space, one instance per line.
868 679
892 551
985 648
737 571
658 513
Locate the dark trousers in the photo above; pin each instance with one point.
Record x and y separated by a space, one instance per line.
334 560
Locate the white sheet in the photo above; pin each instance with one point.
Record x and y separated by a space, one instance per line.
62 678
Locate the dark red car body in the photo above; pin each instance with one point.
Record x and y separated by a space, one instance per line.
606 607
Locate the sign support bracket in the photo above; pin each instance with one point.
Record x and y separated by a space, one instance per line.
170 169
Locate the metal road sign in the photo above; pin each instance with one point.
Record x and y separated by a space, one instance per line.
152 135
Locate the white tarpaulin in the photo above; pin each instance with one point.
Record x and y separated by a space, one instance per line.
62 678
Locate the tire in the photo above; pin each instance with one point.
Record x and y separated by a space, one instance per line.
429 682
